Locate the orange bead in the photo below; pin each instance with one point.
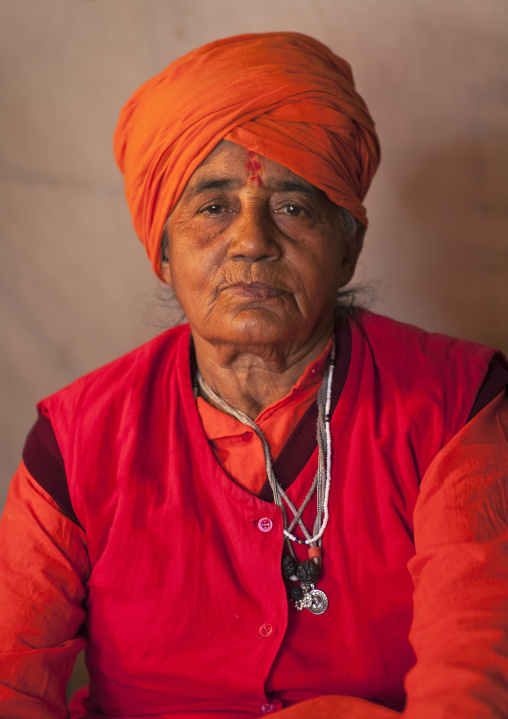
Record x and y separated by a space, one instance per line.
314 553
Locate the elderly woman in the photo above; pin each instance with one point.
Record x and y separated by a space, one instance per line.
224 517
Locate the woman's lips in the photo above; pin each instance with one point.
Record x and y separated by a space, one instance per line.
255 290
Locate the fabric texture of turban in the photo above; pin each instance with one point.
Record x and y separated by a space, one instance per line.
282 95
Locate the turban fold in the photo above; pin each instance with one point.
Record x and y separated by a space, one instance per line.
282 95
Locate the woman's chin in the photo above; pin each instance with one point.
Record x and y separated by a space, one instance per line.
254 327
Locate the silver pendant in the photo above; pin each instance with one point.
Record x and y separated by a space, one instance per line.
313 599
319 602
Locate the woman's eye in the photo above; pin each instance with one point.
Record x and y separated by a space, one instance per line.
215 209
293 210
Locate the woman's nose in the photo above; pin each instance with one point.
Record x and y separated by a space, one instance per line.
253 236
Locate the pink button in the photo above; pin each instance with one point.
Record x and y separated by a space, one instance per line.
265 630
265 524
267 708
246 436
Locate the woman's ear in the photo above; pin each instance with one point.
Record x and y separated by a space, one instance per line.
352 248
165 264
166 271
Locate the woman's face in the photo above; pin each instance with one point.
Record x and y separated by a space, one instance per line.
256 253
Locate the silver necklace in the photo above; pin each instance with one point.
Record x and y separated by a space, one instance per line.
305 595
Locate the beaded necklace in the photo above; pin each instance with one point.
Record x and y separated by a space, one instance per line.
304 596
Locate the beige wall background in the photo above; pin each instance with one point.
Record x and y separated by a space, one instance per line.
75 287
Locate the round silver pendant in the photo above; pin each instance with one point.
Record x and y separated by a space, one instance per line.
319 602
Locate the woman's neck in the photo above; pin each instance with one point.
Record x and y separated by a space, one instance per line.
252 379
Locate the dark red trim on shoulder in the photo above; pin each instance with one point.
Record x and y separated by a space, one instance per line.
495 381
44 461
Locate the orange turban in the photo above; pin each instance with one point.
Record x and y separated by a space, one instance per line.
283 95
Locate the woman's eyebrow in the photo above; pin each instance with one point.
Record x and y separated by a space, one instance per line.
294 186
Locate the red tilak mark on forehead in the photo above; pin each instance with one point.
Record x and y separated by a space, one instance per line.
254 168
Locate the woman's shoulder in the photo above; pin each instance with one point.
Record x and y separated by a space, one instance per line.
80 425
398 343
135 369
420 385
420 370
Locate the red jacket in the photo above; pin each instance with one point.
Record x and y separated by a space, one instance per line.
187 609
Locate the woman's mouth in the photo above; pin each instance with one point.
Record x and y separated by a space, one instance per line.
257 291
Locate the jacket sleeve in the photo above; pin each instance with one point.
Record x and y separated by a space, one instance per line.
460 572
43 572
